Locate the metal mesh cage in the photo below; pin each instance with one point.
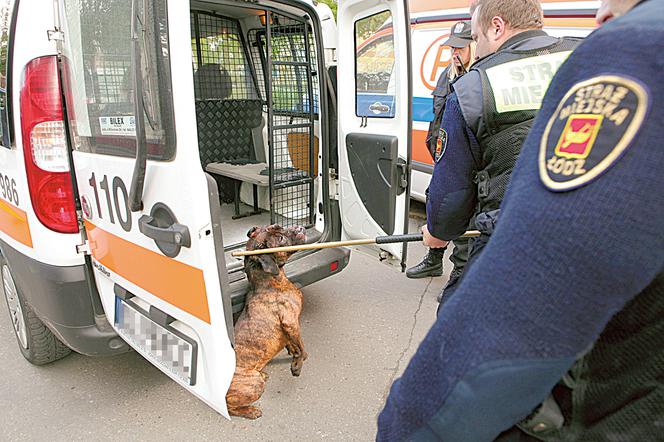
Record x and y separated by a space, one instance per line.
282 52
257 53
290 91
220 60
288 42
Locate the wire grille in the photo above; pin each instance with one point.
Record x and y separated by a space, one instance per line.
113 81
257 52
286 80
288 43
291 123
220 61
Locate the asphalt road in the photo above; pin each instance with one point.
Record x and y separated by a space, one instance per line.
360 328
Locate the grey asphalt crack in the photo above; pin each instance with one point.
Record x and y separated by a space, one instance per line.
408 344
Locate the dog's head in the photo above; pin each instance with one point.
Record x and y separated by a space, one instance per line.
269 237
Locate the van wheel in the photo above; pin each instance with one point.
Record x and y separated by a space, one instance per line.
36 342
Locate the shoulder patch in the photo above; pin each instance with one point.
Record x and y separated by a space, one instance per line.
441 144
589 131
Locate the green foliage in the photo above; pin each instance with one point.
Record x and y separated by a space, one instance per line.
368 26
4 40
332 4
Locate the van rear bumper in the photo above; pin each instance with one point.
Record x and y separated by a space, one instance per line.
306 270
61 298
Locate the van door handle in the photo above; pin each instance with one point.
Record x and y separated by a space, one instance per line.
177 234
162 226
379 108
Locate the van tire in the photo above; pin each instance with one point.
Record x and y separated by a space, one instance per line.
43 346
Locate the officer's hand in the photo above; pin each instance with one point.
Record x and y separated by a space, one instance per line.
430 240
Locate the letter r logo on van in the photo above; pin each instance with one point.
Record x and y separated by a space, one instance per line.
435 59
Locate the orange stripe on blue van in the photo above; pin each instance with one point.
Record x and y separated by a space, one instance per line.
420 152
14 222
176 283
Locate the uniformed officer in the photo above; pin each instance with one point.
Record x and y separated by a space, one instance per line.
573 272
463 55
487 117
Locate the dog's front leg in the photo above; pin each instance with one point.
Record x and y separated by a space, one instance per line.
290 324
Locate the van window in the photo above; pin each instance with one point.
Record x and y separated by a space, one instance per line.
374 63
99 84
6 8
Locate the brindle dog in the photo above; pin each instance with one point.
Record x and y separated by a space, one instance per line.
270 320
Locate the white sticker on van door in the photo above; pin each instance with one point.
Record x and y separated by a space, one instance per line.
521 84
123 125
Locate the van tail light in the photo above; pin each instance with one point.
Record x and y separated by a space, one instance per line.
45 146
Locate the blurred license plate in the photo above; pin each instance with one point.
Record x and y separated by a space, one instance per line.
163 346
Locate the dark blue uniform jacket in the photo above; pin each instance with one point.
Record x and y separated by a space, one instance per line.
451 197
558 267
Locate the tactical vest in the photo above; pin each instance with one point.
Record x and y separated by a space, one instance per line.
618 392
512 82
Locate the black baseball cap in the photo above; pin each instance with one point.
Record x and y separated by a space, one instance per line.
459 35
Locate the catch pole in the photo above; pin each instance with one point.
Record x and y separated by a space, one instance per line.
408 237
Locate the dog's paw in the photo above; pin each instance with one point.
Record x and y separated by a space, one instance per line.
295 371
253 413
248 412
264 375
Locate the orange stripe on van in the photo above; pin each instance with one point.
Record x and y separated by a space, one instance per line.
179 284
14 222
420 153
575 22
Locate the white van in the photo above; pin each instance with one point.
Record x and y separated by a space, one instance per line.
430 23
142 139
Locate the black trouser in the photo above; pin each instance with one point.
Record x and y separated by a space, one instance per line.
485 223
459 255
459 258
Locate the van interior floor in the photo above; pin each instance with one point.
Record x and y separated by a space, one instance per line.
234 231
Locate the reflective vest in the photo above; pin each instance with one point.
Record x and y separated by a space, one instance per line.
501 102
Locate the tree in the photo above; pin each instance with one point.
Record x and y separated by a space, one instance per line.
332 4
4 40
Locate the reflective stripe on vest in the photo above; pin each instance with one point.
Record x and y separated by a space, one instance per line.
521 84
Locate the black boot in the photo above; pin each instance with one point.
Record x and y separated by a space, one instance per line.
431 265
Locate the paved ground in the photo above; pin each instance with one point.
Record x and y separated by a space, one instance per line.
360 329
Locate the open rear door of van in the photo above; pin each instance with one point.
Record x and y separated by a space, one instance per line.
374 108
145 200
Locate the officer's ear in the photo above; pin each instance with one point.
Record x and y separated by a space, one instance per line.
498 28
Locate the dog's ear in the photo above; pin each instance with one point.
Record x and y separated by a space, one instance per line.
252 232
269 264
